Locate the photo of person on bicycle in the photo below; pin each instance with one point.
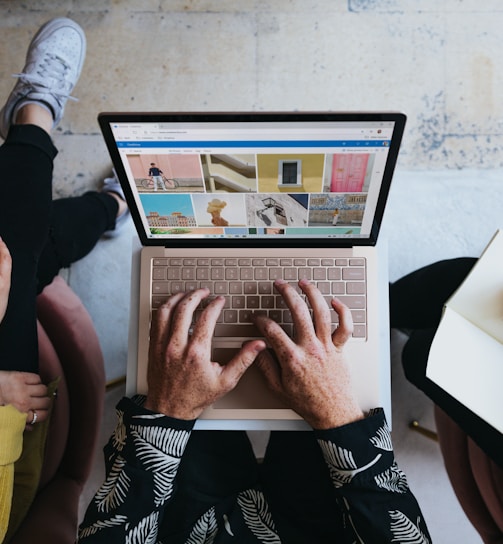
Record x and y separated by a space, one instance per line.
164 173
156 175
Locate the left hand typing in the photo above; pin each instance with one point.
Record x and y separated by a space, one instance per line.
182 378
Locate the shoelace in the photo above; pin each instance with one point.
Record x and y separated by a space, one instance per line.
53 68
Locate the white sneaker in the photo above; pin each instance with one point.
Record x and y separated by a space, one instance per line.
53 64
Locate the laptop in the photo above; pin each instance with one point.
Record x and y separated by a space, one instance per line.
232 201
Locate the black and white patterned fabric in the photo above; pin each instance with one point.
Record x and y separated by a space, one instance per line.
375 504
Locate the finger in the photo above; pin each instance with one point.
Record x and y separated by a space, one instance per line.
345 329
205 325
268 365
160 326
275 336
38 391
30 417
40 403
300 312
29 378
184 315
241 362
41 415
321 311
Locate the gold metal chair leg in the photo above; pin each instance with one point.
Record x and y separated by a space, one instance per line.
432 435
115 382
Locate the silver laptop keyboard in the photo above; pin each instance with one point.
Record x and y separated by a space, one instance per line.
247 285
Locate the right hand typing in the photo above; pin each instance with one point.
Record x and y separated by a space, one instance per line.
310 373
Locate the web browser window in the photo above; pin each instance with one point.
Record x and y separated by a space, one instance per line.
261 180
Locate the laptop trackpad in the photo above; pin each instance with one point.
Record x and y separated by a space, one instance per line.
251 392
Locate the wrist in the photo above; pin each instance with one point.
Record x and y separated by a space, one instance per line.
338 416
166 408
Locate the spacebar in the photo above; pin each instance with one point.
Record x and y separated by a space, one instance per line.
237 330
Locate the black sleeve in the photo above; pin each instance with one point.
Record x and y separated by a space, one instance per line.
141 461
372 491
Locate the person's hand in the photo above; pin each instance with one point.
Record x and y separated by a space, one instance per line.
310 373
182 379
5 272
26 392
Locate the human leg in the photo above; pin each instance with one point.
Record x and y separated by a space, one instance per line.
416 300
76 225
297 485
216 465
26 161
158 181
53 64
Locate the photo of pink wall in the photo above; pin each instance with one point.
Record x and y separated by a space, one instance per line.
348 172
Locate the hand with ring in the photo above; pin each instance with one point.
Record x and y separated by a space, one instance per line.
26 392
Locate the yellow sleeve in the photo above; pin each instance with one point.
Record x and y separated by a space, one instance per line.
12 423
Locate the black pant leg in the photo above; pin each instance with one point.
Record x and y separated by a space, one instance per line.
216 466
76 225
296 483
416 300
26 166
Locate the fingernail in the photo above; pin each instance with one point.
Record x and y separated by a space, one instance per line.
280 281
259 348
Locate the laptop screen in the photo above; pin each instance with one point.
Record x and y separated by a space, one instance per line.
217 177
